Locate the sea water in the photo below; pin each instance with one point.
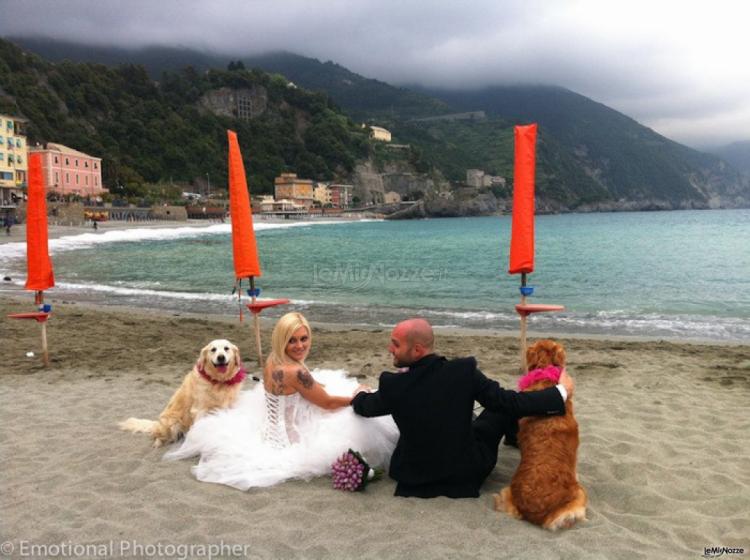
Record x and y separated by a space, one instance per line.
681 275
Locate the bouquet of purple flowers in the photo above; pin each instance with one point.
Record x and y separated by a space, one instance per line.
351 472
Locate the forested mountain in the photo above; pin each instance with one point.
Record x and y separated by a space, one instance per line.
589 157
176 129
629 160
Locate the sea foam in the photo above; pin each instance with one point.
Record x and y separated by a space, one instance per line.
17 250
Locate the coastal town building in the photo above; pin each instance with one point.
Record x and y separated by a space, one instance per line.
286 205
334 195
241 103
13 161
70 172
289 186
341 195
380 133
322 195
266 204
262 203
478 178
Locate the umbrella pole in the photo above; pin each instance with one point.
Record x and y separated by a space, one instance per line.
39 300
45 354
524 318
256 325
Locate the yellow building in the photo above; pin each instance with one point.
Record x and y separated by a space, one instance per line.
289 186
13 160
322 194
380 133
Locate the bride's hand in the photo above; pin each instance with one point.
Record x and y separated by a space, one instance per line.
362 388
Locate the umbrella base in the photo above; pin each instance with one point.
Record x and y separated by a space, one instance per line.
526 309
259 306
39 316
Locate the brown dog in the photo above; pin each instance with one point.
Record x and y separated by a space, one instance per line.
545 490
214 382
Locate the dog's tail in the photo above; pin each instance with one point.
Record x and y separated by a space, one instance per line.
138 426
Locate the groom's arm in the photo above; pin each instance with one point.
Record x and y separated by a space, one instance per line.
490 395
371 404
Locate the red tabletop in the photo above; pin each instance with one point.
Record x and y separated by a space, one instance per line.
259 306
39 316
529 308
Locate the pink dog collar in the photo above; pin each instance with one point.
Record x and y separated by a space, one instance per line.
238 378
551 373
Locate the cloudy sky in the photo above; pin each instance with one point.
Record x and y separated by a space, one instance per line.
681 67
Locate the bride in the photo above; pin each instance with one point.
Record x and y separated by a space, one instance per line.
294 425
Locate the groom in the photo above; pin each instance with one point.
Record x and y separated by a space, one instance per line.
441 450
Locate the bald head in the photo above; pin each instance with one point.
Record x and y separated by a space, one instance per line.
411 340
418 331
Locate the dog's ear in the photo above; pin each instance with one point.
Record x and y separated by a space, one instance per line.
203 357
237 359
532 357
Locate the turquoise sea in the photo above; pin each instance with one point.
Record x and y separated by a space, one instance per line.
680 275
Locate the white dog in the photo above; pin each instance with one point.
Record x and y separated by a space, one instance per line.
214 382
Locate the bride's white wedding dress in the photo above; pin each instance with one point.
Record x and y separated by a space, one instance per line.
265 439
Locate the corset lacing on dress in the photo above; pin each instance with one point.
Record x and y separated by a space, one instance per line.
279 430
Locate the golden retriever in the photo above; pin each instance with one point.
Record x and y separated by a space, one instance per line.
545 489
214 382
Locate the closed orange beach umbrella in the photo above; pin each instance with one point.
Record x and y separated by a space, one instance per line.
244 247
39 275
39 266
522 233
522 230
245 250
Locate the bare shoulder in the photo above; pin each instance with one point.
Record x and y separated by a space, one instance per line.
304 379
286 379
275 380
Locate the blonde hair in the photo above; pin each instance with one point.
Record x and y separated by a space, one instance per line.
282 332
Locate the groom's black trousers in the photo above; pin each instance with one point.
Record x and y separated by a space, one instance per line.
489 428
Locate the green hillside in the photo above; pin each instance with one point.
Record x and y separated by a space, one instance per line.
148 132
458 145
627 159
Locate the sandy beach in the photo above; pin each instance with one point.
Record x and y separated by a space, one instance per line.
663 454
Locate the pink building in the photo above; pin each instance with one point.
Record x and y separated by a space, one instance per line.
67 171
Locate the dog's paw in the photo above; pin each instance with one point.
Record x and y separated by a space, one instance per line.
498 502
504 502
567 519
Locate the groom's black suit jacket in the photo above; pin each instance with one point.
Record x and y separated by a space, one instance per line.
432 403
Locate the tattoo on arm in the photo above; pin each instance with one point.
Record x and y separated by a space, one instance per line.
305 378
278 382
